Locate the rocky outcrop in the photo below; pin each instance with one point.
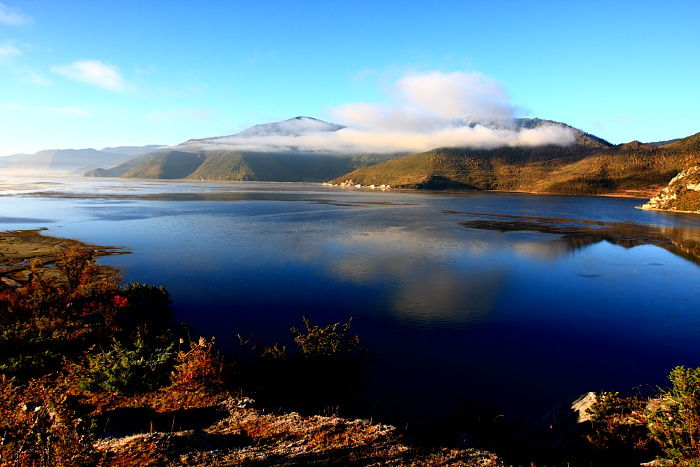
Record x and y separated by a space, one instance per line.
247 436
681 195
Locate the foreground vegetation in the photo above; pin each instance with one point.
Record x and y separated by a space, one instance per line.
94 371
667 424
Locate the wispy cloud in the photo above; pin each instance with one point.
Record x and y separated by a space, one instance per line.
7 51
144 70
186 91
34 78
184 114
93 72
433 100
62 111
12 16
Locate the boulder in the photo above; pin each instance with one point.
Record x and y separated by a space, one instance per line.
681 195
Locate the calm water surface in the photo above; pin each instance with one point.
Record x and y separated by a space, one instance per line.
523 320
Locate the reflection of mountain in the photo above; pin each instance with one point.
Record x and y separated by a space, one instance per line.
578 233
552 249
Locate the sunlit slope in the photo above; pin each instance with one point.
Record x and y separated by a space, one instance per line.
247 165
121 169
170 165
586 167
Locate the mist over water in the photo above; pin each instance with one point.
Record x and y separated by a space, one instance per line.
518 318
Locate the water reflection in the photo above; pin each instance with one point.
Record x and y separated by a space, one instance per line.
554 306
580 233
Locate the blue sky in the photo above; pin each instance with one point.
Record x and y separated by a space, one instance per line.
95 74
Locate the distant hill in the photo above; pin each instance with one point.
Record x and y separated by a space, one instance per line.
69 161
133 150
221 158
589 166
121 169
248 165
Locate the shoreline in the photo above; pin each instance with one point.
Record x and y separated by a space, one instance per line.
19 247
672 211
635 194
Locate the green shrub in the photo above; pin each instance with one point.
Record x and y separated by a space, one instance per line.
26 349
674 420
619 425
322 371
330 342
143 295
121 369
145 304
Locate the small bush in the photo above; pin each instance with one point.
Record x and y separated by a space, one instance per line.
674 421
77 265
198 369
321 372
619 425
326 343
121 369
143 303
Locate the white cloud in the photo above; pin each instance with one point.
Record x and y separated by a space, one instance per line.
34 78
11 16
456 95
93 72
62 111
433 100
144 70
7 51
66 111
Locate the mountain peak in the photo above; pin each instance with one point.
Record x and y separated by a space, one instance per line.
296 126
581 137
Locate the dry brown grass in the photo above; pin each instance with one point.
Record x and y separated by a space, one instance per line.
251 437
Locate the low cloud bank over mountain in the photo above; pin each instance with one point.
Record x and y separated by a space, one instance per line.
428 110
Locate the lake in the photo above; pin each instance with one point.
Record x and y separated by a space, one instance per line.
456 300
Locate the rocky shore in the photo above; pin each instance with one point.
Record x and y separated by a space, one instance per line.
247 436
681 195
